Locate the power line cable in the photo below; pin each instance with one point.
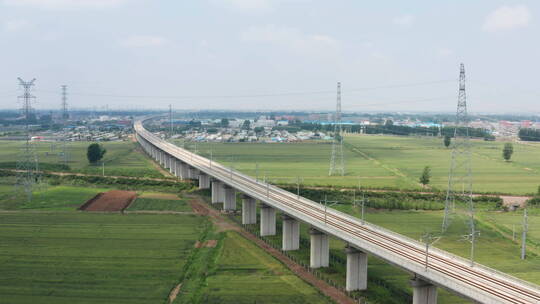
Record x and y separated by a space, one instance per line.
257 95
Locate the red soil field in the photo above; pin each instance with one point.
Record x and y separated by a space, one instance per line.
114 200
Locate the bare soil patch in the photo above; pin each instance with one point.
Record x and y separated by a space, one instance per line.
174 293
206 244
199 207
114 200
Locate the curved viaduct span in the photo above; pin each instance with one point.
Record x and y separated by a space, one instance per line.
477 283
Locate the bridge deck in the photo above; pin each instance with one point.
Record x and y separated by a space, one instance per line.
478 283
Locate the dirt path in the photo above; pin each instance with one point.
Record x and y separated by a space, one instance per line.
157 212
203 209
98 175
174 293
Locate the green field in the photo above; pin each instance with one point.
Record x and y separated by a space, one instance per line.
246 274
121 159
50 253
47 197
381 162
157 204
92 258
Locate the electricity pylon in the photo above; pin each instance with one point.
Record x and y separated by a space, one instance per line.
64 117
27 164
337 162
460 175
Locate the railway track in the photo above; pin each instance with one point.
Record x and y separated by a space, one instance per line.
445 270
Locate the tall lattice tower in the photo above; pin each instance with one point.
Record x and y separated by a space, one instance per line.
170 121
65 115
64 154
27 164
460 176
337 162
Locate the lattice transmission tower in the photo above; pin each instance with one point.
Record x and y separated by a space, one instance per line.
460 176
64 155
170 121
27 164
337 161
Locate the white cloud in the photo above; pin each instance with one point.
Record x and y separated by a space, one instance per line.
16 25
445 52
405 20
507 18
247 5
254 6
138 41
65 4
293 39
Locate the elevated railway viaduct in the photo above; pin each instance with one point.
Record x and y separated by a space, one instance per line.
477 283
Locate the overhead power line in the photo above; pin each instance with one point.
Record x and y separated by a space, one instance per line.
259 94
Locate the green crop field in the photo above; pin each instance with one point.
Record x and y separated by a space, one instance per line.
121 159
158 204
50 253
381 161
47 197
246 274
78 257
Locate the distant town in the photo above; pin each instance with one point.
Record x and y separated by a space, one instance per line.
259 127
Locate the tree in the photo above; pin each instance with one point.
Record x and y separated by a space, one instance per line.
508 150
447 140
426 176
95 152
246 124
389 123
224 122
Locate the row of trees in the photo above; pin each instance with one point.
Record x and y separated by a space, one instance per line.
529 134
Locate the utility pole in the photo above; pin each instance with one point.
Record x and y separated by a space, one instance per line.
337 162
460 175
27 164
524 235
257 172
211 158
428 238
298 187
363 207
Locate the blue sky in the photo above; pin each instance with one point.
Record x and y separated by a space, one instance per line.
217 54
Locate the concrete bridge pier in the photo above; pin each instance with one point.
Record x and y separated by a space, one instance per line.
291 233
204 181
423 292
160 157
217 190
249 210
320 251
268 220
193 173
229 199
178 168
170 161
356 269
184 171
